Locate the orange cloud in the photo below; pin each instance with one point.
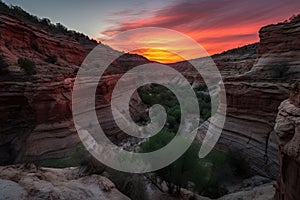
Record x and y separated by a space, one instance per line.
216 25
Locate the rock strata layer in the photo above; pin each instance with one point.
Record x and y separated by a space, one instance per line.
253 98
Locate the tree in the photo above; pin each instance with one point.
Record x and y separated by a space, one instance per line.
46 21
27 65
51 59
279 71
184 170
61 27
3 65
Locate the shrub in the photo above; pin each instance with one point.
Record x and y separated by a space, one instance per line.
35 46
51 59
201 87
3 65
238 163
27 65
75 159
184 170
157 94
279 71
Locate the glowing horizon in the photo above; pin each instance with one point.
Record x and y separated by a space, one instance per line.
216 26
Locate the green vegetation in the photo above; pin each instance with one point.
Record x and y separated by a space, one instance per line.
34 45
3 66
51 59
206 176
184 170
280 70
27 65
74 159
157 94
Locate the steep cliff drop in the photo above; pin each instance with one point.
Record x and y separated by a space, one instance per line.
253 98
288 132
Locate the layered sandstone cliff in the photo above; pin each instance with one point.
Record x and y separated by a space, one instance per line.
36 120
253 98
21 39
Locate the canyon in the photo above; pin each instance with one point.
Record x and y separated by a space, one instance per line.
253 98
36 121
36 110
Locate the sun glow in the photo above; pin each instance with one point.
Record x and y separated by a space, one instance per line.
157 44
158 55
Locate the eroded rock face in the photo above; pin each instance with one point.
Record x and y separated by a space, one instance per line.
32 112
288 132
279 44
230 63
263 192
251 112
253 98
36 120
20 39
28 182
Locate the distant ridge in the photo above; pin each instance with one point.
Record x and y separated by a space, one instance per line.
44 23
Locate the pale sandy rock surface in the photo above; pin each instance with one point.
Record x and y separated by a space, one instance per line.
28 182
264 192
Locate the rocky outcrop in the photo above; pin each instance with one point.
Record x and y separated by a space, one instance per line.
32 112
251 113
20 39
253 98
232 62
36 119
279 45
28 182
263 192
236 61
288 132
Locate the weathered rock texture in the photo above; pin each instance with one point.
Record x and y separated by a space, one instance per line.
21 39
288 132
253 98
279 43
251 112
232 62
262 192
28 182
36 120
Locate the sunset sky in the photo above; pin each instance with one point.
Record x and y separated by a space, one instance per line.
217 25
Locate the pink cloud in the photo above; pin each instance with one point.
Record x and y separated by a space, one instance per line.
217 25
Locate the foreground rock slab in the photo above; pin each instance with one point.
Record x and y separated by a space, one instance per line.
28 182
263 192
